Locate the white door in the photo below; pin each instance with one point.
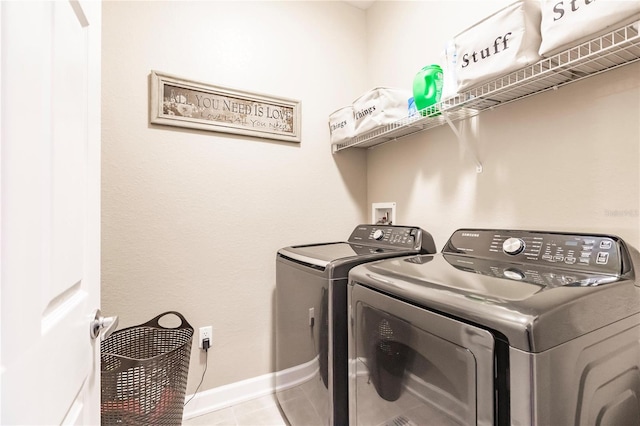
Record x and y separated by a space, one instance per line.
50 217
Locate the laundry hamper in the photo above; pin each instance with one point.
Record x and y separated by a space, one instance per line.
144 373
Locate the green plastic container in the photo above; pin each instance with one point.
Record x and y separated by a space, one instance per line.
427 89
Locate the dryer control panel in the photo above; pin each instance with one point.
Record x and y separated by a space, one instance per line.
593 253
402 237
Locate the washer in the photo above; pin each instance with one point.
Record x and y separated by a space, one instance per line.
311 317
503 327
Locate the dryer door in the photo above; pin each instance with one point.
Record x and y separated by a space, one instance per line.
410 366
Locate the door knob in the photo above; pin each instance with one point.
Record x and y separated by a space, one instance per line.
99 323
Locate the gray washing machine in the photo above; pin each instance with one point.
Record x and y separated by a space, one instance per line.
311 318
503 327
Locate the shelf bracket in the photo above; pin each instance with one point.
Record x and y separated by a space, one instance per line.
463 141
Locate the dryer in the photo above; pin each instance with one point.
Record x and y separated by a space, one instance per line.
311 317
503 327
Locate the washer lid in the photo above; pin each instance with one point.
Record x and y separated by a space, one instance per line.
323 254
373 241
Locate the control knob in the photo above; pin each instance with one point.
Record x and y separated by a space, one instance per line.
514 274
513 246
378 234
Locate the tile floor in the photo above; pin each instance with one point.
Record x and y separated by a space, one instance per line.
262 411
303 401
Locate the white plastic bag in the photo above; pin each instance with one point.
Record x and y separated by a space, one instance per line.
501 43
566 23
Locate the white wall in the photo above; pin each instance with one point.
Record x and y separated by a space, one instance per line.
563 160
192 220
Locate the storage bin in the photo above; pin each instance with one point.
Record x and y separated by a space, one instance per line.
144 373
341 124
566 23
380 106
501 43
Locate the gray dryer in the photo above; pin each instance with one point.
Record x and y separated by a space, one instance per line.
504 327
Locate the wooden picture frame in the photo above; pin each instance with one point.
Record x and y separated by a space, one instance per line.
181 102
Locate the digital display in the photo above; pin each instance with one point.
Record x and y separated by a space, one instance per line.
571 243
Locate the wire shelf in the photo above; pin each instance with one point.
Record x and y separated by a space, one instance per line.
602 53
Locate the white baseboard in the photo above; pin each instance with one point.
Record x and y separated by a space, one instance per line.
236 393
228 395
297 375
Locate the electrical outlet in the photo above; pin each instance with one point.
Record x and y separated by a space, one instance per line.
205 333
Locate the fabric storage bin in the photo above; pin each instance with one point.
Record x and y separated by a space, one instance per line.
341 124
501 43
567 23
380 106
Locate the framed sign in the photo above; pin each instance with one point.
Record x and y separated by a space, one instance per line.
180 102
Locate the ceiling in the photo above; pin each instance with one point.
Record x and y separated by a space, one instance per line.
361 4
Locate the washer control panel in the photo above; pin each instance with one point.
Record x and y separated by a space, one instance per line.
405 237
595 253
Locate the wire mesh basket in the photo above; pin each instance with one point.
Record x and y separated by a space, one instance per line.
144 373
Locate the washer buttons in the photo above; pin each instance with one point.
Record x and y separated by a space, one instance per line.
606 244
